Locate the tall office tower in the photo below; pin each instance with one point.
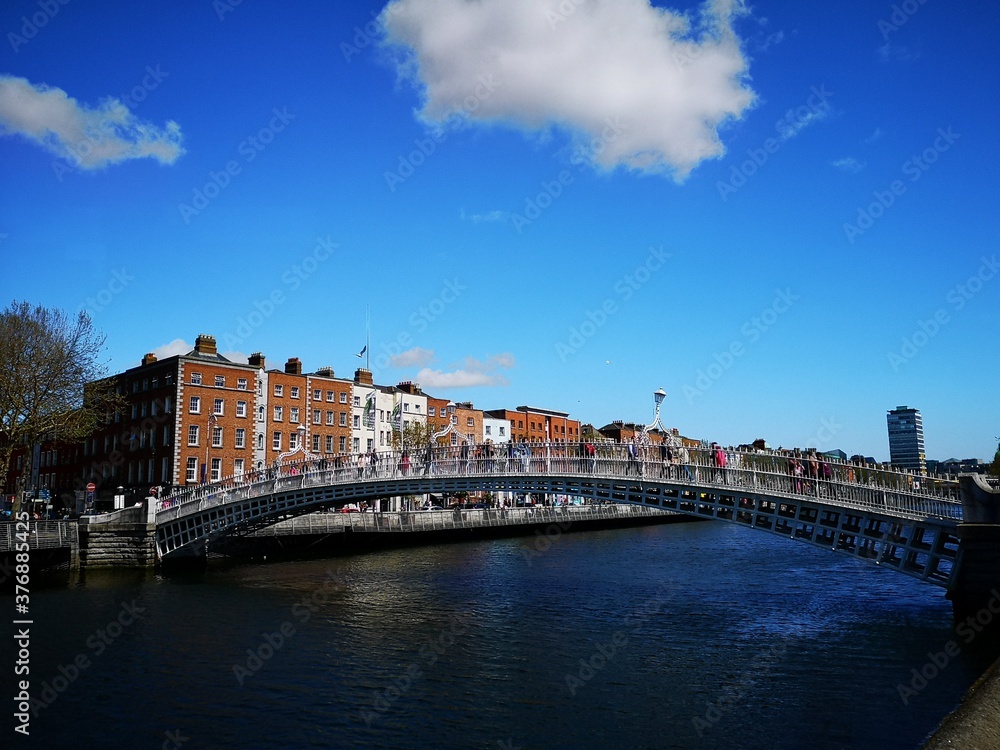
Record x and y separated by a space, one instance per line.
906 438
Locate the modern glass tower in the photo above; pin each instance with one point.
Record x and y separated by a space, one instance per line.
906 439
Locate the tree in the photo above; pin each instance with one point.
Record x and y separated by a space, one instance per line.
995 467
417 434
50 387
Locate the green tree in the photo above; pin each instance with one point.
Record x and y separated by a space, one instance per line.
49 381
415 435
995 466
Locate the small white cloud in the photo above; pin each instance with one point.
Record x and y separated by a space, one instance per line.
890 52
632 84
795 121
876 134
415 357
88 137
235 356
474 372
848 164
175 347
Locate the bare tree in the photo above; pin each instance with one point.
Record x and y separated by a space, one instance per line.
49 381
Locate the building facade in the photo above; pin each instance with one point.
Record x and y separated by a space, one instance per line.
906 439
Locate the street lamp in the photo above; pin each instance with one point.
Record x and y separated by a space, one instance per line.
658 395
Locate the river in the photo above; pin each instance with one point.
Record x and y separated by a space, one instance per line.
691 635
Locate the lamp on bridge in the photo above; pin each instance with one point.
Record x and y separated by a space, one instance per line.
658 395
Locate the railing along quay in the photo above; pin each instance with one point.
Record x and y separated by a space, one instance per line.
41 535
850 486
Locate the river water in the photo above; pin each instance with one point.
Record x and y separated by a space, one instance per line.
692 635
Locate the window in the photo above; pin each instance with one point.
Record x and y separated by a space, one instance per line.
416 407
317 394
145 409
216 437
279 390
195 378
238 467
343 419
194 405
241 437
135 386
193 435
488 432
471 422
329 418
168 379
216 469
145 384
241 384
135 411
406 406
260 413
343 443
166 436
357 421
293 415
431 411
343 397
331 396
520 425
501 432
317 416
154 408
315 443
191 473
356 443
295 391
168 405
218 407
279 413
293 441
260 441
220 381
329 444
155 383
357 400
276 441
241 408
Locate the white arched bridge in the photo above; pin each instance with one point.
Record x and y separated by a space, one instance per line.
896 519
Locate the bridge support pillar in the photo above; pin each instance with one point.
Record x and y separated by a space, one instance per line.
975 586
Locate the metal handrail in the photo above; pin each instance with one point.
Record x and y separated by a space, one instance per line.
893 493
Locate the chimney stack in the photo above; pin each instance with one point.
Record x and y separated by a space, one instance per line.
363 376
205 344
256 360
293 366
149 359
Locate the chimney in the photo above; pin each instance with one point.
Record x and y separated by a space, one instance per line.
293 366
256 360
205 344
325 372
363 376
408 386
149 359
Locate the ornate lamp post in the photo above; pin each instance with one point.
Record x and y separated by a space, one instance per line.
658 395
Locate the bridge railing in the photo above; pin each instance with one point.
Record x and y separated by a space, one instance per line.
838 483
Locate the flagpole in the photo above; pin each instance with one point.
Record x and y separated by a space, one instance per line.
368 336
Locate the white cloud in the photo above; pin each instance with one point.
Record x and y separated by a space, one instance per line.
848 164
473 373
667 80
876 134
87 137
175 347
415 357
795 121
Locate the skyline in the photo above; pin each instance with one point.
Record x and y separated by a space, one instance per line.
782 216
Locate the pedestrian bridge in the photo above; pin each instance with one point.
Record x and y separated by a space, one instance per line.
895 519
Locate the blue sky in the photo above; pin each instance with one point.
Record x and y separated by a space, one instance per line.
783 214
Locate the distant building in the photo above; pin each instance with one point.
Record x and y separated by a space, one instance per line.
906 439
